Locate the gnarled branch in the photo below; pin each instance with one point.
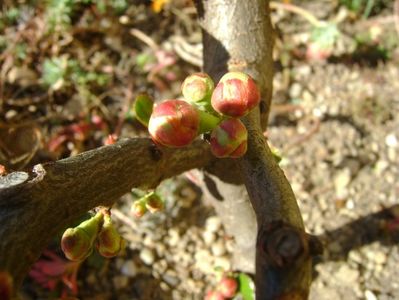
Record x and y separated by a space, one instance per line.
34 209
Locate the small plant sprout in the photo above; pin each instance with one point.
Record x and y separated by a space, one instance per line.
109 241
197 89
229 139
174 123
235 95
77 242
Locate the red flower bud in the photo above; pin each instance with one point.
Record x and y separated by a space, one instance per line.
77 243
138 208
235 95
228 287
229 139
197 89
5 285
174 123
214 295
154 203
109 241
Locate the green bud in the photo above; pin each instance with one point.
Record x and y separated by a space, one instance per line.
77 243
197 89
109 241
138 208
154 203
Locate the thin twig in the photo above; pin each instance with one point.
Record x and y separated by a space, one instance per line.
297 10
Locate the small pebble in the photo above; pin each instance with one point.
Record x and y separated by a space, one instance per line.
147 256
391 140
209 237
213 224
369 295
222 262
129 268
120 282
218 248
171 278
173 237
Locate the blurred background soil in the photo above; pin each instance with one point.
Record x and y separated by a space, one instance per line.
71 69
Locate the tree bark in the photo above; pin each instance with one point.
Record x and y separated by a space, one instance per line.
35 207
238 35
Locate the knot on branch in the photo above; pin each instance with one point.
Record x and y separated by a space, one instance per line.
283 245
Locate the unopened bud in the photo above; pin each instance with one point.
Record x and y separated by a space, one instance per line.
77 243
197 89
110 139
109 241
228 287
154 203
235 95
138 208
229 139
174 123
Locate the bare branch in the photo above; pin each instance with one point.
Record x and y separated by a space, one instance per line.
35 209
238 36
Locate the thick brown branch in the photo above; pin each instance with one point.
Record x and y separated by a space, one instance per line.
238 36
32 212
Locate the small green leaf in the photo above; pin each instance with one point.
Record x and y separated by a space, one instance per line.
325 35
246 287
143 108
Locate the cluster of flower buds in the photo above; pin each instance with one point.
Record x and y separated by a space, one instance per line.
226 289
77 243
206 108
151 202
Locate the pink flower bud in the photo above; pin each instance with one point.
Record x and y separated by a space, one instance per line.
214 295
109 241
110 139
154 203
5 286
197 89
138 208
77 243
228 287
229 139
174 123
235 95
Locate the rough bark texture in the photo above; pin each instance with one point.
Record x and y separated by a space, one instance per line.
34 208
238 35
